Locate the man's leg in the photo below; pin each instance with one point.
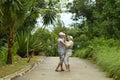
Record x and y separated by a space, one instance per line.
62 60
62 66
59 64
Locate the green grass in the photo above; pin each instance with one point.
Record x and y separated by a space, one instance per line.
105 53
109 60
18 63
84 52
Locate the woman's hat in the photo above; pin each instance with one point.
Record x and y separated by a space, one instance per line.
71 37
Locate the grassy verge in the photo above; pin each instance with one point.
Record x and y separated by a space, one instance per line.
105 53
18 63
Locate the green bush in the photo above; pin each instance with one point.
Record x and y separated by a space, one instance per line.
27 41
106 53
109 59
83 53
22 44
3 54
48 40
4 51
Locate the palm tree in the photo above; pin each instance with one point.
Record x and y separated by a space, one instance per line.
14 14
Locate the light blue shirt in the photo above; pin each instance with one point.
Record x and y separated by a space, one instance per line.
61 47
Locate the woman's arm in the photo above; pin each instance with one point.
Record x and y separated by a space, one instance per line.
70 45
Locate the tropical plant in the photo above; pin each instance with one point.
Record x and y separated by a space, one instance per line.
3 54
46 39
32 43
14 14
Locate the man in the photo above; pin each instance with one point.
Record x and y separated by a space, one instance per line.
61 50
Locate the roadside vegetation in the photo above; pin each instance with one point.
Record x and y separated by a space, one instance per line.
105 53
20 41
18 63
96 32
99 37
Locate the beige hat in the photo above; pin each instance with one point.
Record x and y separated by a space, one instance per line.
61 33
71 37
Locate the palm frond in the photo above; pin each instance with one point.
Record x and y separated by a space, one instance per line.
49 17
23 39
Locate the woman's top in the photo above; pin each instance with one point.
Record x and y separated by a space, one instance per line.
69 45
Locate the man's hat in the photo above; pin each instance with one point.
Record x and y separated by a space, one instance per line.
61 33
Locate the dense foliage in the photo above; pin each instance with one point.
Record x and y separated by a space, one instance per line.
103 52
102 17
96 32
99 39
19 17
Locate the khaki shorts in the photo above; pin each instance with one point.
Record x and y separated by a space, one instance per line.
61 56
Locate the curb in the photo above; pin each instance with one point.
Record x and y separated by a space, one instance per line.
22 71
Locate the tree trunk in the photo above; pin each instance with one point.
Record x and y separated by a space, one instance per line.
30 56
10 45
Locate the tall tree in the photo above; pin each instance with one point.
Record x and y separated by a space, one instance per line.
102 17
14 14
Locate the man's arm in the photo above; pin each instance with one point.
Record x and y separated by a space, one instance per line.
63 43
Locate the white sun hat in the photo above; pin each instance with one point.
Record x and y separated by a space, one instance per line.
71 37
61 33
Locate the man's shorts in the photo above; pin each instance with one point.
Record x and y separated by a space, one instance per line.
61 56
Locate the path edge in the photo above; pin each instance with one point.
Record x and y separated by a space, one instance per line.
22 71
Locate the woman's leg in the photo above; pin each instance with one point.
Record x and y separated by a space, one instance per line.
66 61
68 66
68 54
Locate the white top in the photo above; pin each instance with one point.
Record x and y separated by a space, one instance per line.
69 43
61 47
69 50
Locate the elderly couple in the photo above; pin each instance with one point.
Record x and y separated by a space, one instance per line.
65 45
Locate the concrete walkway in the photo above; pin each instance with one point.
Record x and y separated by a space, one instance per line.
80 70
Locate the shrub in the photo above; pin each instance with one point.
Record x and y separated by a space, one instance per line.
4 51
83 53
27 41
109 59
3 55
106 53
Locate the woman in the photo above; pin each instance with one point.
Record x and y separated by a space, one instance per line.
69 46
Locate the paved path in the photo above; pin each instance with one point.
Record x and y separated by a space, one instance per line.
80 70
